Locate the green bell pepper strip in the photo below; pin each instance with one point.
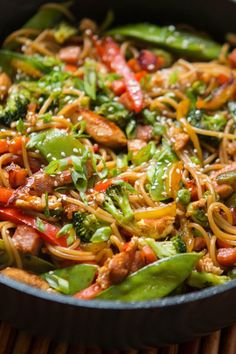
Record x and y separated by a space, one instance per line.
56 144
31 263
72 279
153 281
181 42
202 280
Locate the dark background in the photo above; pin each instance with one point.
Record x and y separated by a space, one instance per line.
214 16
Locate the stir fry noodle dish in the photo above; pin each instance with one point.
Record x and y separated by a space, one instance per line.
117 158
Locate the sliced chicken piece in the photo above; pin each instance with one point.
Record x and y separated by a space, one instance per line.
178 138
5 84
26 278
117 268
205 264
144 132
157 228
134 145
40 183
102 130
27 240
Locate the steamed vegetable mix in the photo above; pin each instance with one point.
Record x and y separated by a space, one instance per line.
117 158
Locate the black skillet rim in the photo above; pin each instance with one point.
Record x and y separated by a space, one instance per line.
119 305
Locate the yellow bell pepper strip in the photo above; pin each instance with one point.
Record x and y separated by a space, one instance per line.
173 179
156 213
221 95
154 281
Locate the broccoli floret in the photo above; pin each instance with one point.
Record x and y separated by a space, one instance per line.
167 248
89 229
179 244
198 214
85 225
199 119
162 249
116 202
15 107
113 111
63 32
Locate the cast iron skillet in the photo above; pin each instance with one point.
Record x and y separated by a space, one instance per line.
114 324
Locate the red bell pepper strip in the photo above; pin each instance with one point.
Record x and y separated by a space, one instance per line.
3 146
103 185
148 254
109 52
89 293
70 68
47 231
5 195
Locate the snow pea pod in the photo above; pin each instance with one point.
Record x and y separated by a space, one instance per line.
71 280
48 16
203 280
155 173
181 42
153 281
55 144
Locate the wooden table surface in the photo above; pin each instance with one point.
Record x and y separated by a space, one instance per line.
13 341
